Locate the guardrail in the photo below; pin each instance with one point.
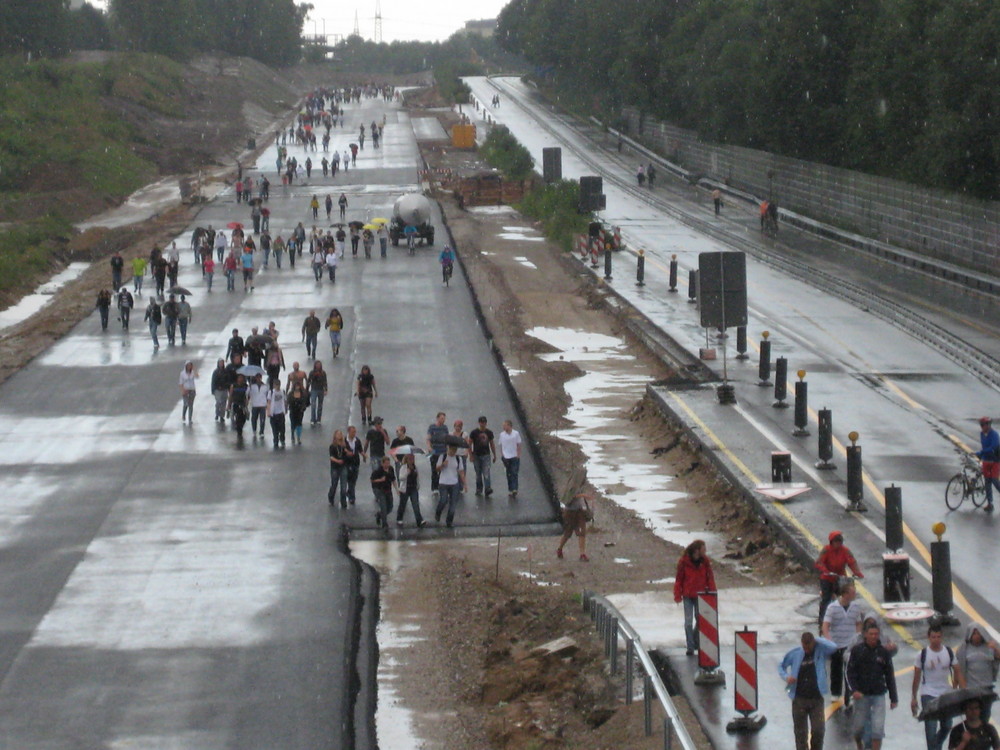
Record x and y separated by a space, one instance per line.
610 625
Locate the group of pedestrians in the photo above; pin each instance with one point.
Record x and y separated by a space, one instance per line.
394 467
856 652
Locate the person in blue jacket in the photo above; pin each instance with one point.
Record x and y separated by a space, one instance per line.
990 457
804 671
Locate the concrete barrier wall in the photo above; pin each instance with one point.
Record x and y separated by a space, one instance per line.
948 226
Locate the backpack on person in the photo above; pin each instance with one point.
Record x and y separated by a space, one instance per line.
923 661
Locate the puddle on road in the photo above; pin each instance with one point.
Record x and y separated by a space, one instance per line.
394 725
612 383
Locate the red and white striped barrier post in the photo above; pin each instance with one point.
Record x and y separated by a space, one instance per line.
581 246
596 248
708 640
618 238
745 696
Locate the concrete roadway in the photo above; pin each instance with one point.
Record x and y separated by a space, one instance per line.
166 586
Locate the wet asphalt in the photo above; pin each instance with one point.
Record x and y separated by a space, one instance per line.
170 585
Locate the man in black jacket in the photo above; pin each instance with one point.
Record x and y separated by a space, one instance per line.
870 674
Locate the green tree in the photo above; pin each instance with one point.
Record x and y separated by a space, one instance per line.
36 27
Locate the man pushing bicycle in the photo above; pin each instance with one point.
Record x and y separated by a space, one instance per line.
989 440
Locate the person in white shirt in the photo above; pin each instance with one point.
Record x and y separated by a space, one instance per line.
276 412
258 405
187 385
510 455
841 624
933 670
331 264
451 481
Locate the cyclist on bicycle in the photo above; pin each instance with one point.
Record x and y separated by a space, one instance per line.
989 439
447 260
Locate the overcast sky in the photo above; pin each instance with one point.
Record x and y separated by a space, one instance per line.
402 20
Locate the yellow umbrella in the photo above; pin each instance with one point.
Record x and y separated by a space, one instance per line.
380 221
371 227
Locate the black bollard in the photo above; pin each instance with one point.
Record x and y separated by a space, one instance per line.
941 582
781 467
894 518
607 263
855 480
692 285
764 368
741 343
640 269
801 406
825 440
780 383
673 273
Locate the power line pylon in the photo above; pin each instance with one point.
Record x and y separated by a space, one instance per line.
378 22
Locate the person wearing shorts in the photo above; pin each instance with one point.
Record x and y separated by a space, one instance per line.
574 517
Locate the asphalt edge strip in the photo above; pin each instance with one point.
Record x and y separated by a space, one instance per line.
543 470
360 653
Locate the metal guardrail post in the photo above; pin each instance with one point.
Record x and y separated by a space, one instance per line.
607 616
614 645
629 669
647 700
668 733
608 635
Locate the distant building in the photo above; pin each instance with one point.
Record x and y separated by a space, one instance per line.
485 27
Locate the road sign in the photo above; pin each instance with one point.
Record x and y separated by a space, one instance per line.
909 614
722 289
783 491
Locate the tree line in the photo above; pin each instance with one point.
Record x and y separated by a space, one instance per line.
267 30
903 88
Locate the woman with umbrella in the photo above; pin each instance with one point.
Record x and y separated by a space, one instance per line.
238 404
368 239
355 228
366 390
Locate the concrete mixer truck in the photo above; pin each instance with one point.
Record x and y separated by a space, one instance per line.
411 210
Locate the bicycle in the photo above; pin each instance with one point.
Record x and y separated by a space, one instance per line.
968 483
446 271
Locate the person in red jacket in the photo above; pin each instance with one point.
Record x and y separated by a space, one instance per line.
832 565
694 574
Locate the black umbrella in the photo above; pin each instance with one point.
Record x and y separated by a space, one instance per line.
953 702
458 442
355 224
178 290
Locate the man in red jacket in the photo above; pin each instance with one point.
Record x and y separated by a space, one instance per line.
832 565
694 574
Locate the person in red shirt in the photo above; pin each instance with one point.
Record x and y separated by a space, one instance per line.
832 565
694 574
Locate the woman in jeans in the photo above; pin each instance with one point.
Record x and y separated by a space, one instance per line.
338 469
694 574
187 385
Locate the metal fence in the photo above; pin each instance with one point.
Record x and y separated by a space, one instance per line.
611 626
947 226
